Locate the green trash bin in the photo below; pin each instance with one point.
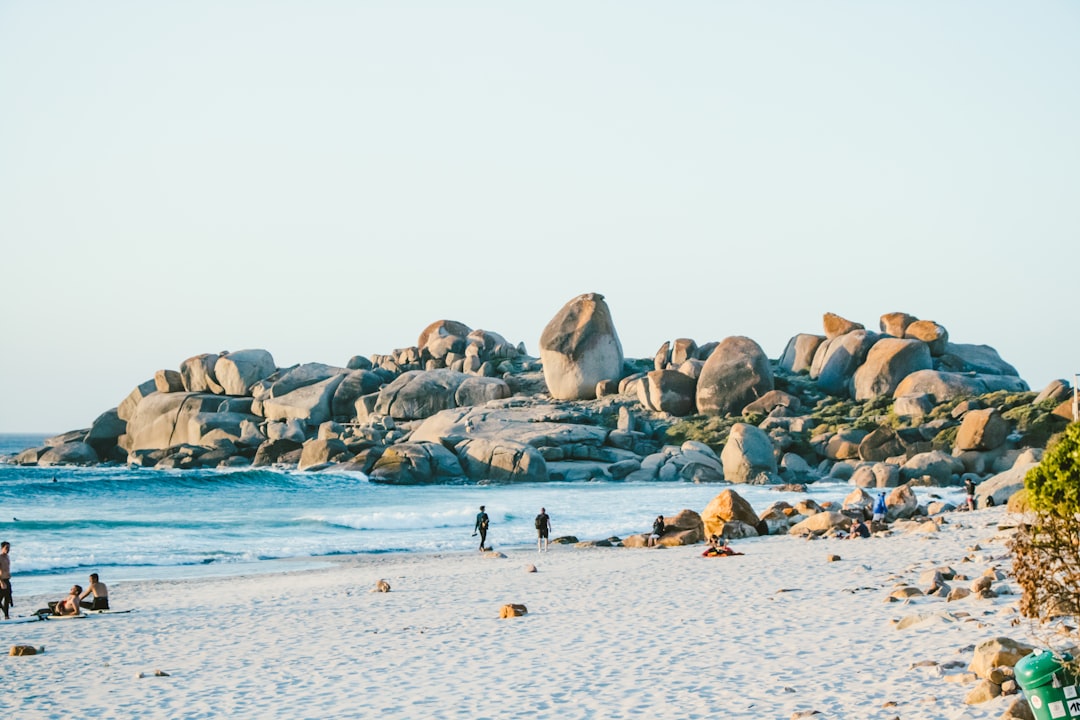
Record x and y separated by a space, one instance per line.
1051 691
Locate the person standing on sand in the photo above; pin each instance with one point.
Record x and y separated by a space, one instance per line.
880 508
969 488
100 593
5 579
543 530
481 526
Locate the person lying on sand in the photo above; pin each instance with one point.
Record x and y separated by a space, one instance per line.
100 593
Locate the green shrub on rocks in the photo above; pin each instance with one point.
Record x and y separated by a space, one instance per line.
1046 559
711 430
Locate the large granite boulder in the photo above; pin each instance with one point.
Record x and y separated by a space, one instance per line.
162 420
997 489
895 323
579 348
419 394
480 390
726 507
749 456
320 452
166 381
493 459
835 326
105 431
799 354
935 466
683 528
881 444
889 361
668 391
291 379
736 374
945 386
72 453
901 503
198 374
354 385
838 358
415 464
126 410
1057 390
934 335
442 337
311 404
237 371
982 429
981 359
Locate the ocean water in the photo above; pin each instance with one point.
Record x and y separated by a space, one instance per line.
136 524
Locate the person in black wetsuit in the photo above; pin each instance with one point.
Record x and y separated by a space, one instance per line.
481 526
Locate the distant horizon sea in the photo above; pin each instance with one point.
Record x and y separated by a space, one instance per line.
132 524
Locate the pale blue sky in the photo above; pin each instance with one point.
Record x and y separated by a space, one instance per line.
324 179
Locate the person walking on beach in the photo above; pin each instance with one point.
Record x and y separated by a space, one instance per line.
100 593
969 488
5 579
481 526
543 530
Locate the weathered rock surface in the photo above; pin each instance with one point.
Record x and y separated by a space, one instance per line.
735 375
799 354
726 507
668 391
837 360
887 363
579 348
945 386
982 430
749 456
238 371
415 463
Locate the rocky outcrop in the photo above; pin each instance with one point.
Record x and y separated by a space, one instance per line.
934 335
71 453
579 348
979 359
895 323
500 460
735 375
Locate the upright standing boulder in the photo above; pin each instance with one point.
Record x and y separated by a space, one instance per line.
749 456
237 371
736 374
579 348
799 353
726 507
837 360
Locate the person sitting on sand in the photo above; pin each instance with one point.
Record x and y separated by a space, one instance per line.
858 530
658 529
100 593
70 604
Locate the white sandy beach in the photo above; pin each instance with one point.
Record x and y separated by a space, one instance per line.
610 633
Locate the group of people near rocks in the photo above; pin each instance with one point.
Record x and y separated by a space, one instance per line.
95 597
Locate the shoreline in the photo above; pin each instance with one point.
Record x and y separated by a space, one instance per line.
610 632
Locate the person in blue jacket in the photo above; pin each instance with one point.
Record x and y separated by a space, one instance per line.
879 508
